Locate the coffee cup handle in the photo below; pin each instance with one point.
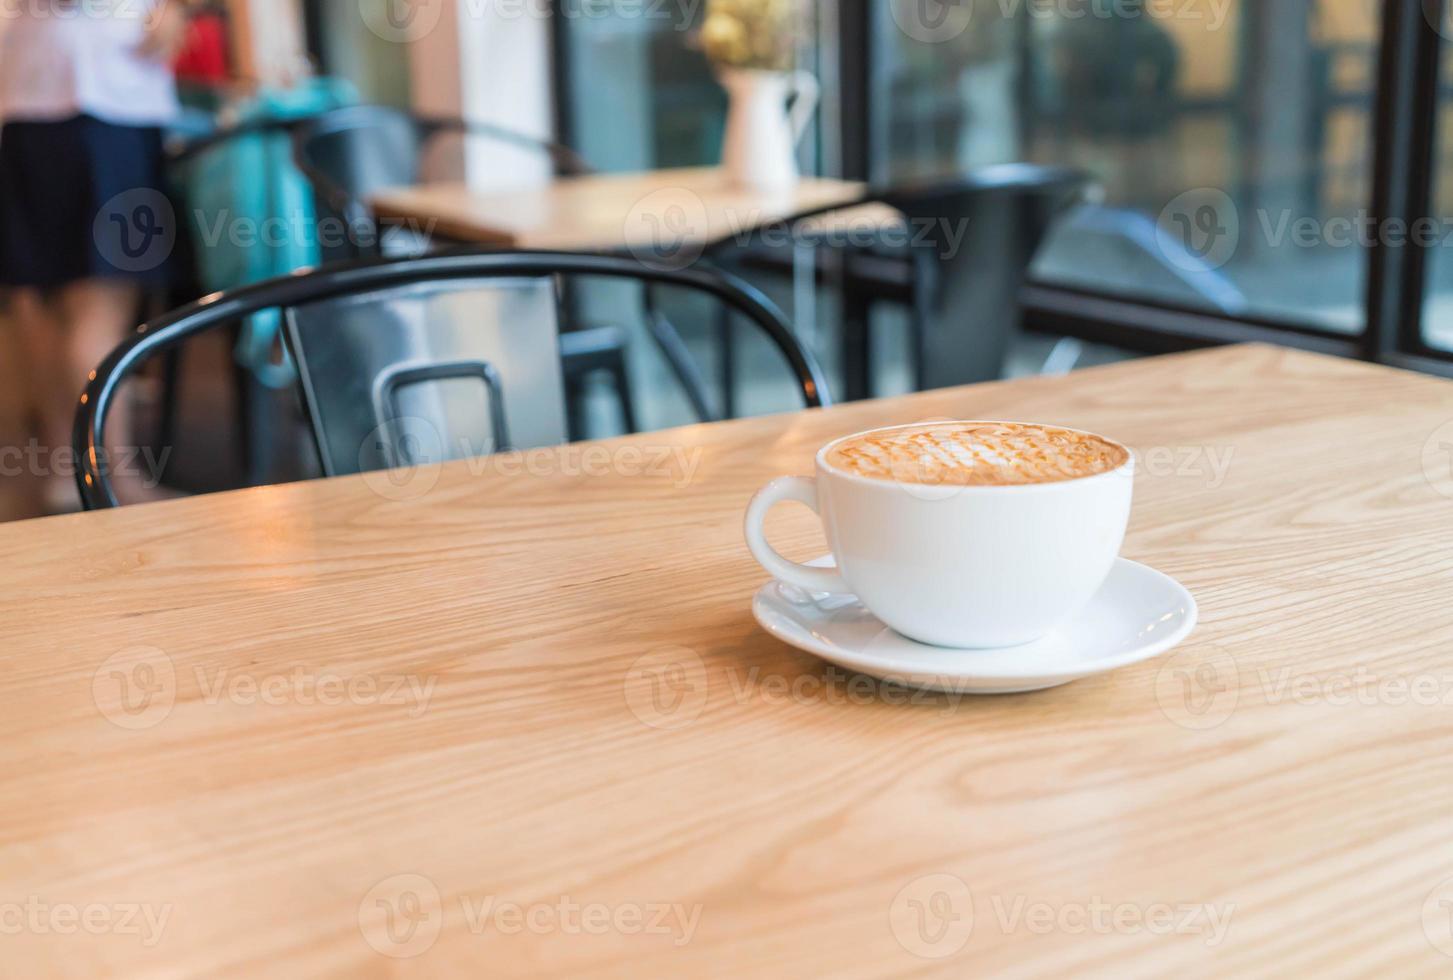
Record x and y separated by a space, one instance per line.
802 489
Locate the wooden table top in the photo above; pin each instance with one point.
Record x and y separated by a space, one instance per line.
514 716
656 210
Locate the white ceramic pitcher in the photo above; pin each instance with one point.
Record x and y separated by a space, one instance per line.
760 151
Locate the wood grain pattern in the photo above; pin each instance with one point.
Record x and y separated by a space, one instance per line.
657 209
1269 771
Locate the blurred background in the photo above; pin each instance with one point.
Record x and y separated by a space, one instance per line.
1252 171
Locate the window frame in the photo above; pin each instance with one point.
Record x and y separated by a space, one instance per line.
1404 146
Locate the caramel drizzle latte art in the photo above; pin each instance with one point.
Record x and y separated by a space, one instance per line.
977 454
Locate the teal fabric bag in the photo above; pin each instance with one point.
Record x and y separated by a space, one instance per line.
251 214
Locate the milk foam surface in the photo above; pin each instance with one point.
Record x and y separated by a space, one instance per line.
977 454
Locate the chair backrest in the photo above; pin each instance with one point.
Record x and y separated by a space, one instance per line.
459 346
351 153
972 240
430 371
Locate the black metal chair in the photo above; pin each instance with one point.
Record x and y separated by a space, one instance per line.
351 153
376 341
959 269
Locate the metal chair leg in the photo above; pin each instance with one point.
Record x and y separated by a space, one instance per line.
621 377
673 348
166 430
726 348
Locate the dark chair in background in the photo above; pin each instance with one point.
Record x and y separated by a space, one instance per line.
971 241
349 154
957 266
392 354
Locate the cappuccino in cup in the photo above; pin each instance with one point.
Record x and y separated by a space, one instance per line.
961 534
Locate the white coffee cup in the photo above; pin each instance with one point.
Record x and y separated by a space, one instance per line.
956 566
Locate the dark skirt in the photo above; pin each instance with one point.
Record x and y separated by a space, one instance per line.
83 199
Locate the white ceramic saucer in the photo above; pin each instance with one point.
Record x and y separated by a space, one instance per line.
1138 613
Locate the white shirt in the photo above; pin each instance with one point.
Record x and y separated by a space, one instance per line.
62 58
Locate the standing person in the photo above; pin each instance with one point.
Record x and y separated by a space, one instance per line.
84 226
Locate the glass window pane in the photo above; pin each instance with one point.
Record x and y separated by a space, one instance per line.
641 96
1229 138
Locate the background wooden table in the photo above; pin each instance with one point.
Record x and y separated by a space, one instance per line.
657 210
318 729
